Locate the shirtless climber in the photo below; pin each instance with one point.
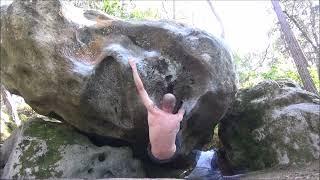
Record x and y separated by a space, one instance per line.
163 124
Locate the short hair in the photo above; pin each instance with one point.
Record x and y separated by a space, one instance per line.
169 100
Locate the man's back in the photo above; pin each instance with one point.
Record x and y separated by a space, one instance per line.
163 124
163 129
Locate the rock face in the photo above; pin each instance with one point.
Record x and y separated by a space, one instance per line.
273 123
41 149
72 64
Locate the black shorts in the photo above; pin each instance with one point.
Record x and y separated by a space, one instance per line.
163 161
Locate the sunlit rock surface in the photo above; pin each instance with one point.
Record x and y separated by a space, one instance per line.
72 64
274 123
41 150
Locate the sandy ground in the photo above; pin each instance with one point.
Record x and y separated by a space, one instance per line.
310 171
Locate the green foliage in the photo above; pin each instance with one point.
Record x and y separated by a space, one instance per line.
6 125
314 75
247 76
250 73
276 61
25 112
276 72
114 7
11 125
147 14
215 142
303 18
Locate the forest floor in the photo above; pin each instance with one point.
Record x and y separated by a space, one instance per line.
310 171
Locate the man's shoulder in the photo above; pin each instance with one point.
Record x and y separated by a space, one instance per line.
160 113
153 109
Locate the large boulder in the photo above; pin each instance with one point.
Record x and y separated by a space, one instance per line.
41 150
72 64
272 124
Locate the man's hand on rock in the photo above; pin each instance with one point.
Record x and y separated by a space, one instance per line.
132 63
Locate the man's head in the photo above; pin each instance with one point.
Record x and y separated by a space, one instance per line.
168 102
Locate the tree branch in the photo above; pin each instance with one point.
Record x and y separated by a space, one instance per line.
164 9
304 33
263 59
313 24
218 18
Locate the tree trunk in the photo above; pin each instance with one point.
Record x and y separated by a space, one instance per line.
295 50
173 9
7 99
314 45
218 18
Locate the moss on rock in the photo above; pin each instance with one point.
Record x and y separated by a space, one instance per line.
55 150
40 147
271 124
54 133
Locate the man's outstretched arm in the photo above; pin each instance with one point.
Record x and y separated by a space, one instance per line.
142 92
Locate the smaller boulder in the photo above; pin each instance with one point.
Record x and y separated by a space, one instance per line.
41 150
274 123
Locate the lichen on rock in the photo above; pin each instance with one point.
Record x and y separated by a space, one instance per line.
273 123
54 150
